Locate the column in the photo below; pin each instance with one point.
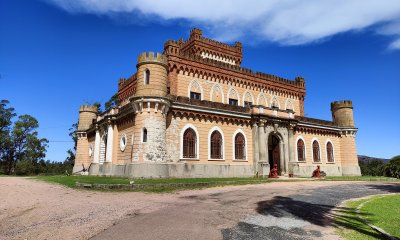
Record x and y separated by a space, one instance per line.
291 144
110 140
262 143
96 147
255 148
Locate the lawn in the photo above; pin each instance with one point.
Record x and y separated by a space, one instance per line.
70 181
383 212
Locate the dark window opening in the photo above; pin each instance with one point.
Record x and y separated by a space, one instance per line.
216 145
247 104
189 143
144 135
233 102
316 156
195 95
329 151
147 77
300 151
240 146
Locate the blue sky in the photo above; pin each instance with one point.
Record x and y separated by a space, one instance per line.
56 55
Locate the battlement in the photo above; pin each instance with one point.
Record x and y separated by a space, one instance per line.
341 104
150 57
298 82
88 108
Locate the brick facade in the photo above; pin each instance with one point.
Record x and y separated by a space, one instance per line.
189 86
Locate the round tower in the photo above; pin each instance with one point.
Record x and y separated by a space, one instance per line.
342 113
87 113
151 108
152 75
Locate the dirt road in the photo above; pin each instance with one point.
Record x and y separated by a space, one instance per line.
31 209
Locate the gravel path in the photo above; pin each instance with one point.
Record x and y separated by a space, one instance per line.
31 209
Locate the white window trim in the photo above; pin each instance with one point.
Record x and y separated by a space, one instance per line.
234 145
209 144
197 142
289 100
216 85
122 148
229 94
305 149
277 100
312 150
195 81
265 97
333 151
245 95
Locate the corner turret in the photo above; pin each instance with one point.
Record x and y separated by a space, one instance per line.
342 113
152 75
87 113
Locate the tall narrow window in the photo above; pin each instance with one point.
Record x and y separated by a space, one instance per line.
216 145
144 135
240 147
316 157
329 152
189 143
147 77
300 150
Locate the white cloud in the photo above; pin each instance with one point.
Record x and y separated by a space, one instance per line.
288 22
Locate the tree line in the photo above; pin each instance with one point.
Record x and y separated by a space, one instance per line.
22 151
378 167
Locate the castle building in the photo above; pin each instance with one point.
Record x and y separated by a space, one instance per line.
193 111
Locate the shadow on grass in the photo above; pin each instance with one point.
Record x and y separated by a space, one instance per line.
318 214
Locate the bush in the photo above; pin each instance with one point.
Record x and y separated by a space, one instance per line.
372 167
24 167
392 169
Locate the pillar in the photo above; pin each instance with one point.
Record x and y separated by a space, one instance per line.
96 147
291 144
110 140
255 148
262 143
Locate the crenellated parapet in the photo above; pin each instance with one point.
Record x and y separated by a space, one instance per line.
87 113
342 113
151 58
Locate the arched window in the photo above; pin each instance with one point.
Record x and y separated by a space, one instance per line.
144 135
240 147
301 156
329 152
315 146
216 145
189 143
147 77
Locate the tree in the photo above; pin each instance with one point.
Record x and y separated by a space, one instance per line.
392 169
19 141
70 160
112 102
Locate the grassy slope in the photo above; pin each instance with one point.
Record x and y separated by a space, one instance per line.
351 227
384 213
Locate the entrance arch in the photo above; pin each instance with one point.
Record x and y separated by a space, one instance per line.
274 152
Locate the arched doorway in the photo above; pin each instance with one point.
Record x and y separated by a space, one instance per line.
274 152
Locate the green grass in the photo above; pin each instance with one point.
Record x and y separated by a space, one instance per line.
352 227
362 178
70 181
384 212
